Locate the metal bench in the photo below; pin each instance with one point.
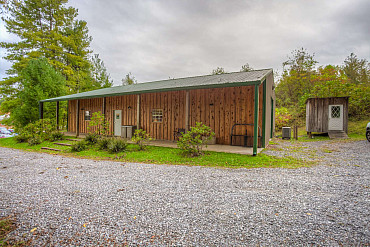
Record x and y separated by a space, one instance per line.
244 136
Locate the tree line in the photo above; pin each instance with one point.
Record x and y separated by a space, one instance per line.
51 57
302 79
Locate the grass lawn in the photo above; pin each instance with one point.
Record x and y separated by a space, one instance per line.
356 132
164 155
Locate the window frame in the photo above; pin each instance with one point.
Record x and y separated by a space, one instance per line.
87 117
157 115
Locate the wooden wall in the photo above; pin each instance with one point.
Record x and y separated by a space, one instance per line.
173 105
219 108
126 103
317 113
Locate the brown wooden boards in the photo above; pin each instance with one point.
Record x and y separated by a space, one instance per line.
219 108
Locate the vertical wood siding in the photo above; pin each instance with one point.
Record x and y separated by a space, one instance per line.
219 108
317 117
173 106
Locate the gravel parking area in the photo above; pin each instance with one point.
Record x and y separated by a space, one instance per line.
62 201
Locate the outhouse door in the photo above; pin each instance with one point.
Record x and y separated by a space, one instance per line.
335 117
117 122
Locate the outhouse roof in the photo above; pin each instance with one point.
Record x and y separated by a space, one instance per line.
197 82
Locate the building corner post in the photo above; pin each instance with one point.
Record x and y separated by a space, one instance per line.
255 124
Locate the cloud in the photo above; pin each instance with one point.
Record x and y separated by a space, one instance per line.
159 39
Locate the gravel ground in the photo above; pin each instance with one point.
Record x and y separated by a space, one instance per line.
88 203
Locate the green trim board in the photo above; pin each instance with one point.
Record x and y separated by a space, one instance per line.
255 134
272 118
264 115
199 82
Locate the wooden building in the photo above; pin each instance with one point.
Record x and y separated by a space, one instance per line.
326 115
163 107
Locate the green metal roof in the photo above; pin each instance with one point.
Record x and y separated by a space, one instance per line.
197 82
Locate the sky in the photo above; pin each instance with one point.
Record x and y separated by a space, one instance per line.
159 39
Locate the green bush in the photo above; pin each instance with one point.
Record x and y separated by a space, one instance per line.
103 143
141 138
35 140
21 138
92 138
42 128
98 125
282 118
55 136
193 141
116 145
79 146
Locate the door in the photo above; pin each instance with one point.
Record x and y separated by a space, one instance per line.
117 122
335 117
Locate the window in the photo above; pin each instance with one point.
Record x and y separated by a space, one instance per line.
87 115
157 115
335 111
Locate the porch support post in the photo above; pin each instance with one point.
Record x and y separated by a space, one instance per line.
103 112
255 134
77 118
103 107
57 115
138 112
41 110
67 115
264 115
187 110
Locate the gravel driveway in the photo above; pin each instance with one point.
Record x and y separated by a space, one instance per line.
83 202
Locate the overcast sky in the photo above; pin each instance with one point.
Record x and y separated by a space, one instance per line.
160 39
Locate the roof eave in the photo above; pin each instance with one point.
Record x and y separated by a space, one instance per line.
237 84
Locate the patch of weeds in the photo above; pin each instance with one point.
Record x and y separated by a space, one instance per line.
79 146
7 225
56 136
116 145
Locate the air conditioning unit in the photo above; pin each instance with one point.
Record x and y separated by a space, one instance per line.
287 133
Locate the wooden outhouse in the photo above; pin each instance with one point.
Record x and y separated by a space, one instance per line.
239 107
327 115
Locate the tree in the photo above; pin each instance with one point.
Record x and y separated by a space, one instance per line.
48 29
99 73
296 79
39 81
357 70
246 68
218 71
129 79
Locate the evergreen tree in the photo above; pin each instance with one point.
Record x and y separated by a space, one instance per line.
50 29
296 78
246 68
39 81
99 73
129 79
218 71
357 70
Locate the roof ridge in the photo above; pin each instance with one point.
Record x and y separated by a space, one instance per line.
226 73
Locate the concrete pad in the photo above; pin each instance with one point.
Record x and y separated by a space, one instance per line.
214 147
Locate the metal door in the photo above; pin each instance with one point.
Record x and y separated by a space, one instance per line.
117 122
335 117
